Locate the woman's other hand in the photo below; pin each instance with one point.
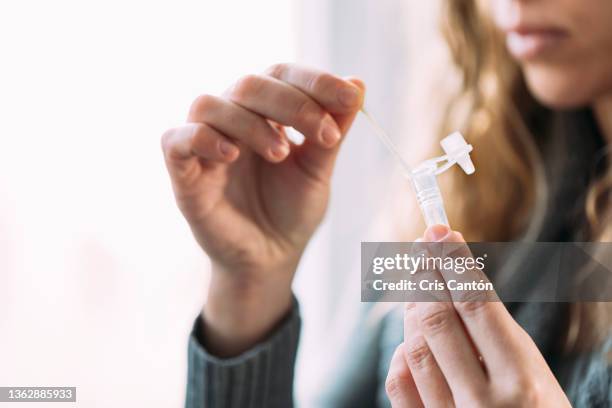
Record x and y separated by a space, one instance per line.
251 197
468 353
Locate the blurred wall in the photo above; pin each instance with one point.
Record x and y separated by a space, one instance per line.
100 279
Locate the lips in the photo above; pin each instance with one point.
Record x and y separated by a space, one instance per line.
528 42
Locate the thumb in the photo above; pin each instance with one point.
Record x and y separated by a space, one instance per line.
320 160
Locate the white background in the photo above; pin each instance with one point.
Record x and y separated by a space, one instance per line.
100 278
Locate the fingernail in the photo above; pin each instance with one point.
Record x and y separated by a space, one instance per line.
330 135
349 96
279 151
226 148
437 233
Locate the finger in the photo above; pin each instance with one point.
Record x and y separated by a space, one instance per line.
498 338
320 161
425 275
490 326
336 95
287 105
241 125
427 376
400 386
443 329
450 244
198 139
452 348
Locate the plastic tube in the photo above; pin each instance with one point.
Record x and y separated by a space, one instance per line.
429 197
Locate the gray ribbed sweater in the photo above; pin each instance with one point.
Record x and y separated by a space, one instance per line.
261 377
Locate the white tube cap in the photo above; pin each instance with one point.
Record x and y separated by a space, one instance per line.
455 146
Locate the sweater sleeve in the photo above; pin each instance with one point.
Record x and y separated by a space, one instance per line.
260 377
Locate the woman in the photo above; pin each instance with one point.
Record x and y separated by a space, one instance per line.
537 85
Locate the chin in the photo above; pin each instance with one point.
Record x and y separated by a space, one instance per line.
558 90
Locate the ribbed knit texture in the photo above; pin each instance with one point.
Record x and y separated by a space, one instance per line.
260 377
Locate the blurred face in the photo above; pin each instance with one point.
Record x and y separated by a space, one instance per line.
564 47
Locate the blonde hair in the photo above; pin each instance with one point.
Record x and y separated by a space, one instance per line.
493 107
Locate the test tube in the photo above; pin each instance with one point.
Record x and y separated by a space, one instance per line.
428 194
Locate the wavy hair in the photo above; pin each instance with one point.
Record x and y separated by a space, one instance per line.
494 107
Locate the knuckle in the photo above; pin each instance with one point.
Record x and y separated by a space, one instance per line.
394 386
246 87
471 304
522 392
277 70
418 355
476 397
203 103
436 319
166 140
317 83
175 141
304 110
531 397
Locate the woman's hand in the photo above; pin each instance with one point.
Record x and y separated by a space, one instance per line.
467 353
252 198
